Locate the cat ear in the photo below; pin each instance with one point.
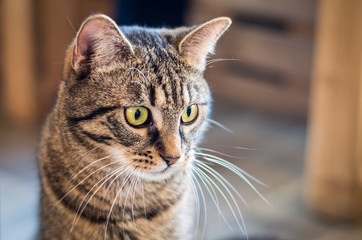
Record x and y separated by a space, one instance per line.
98 37
198 43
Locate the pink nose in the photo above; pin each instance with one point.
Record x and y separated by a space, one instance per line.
170 160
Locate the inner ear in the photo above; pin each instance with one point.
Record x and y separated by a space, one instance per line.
100 38
199 42
85 39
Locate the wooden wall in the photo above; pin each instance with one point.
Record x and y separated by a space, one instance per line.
35 36
272 46
18 90
334 156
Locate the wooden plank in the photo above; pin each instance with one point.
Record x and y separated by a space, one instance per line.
254 95
334 158
58 22
55 21
18 94
294 10
108 7
289 54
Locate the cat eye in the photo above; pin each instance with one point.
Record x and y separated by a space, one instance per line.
189 114
137 116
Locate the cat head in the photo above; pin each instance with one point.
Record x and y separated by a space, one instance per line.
139 93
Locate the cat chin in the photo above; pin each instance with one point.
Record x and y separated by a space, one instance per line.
160 175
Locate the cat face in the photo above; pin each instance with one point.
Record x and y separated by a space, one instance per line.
161 123
139 94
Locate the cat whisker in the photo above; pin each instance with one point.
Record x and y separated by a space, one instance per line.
134 196
213 151
126 168
220 125
125 200
89 165
245 148
114 201
235 170
131 189
88 176
124 206
143 194
221 60
204 164
139 83
71 24
107 177
240 172
114 179
82 157
242 228
197 200
227 155
139 71
203 201
206 181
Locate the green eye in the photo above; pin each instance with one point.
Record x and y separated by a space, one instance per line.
136 116
189 114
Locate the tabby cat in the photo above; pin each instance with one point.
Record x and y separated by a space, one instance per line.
117 150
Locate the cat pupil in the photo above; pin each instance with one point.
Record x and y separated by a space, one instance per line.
188 111
137 114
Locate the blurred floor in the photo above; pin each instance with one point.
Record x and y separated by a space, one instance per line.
19 188
269 149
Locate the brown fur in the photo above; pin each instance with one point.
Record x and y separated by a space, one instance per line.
86 137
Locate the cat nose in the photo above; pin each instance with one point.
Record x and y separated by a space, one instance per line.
170 159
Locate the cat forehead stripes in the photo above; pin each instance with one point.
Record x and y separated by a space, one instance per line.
166 87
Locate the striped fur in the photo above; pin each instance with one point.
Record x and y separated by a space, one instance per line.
102 178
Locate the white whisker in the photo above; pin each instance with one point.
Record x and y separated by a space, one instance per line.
82 157
139 71
206 181
243 229
223 179
203 201
80 212
134 185
114 179
197 200
248 149
235 170
219 125
89 165
88 176
220 60
214 151
114 201
143 194
231 166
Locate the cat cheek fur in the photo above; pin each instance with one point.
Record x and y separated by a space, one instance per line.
100 177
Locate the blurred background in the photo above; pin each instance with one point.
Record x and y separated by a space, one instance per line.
286 80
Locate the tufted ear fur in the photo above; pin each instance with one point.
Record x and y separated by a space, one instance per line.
198 43
99 39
